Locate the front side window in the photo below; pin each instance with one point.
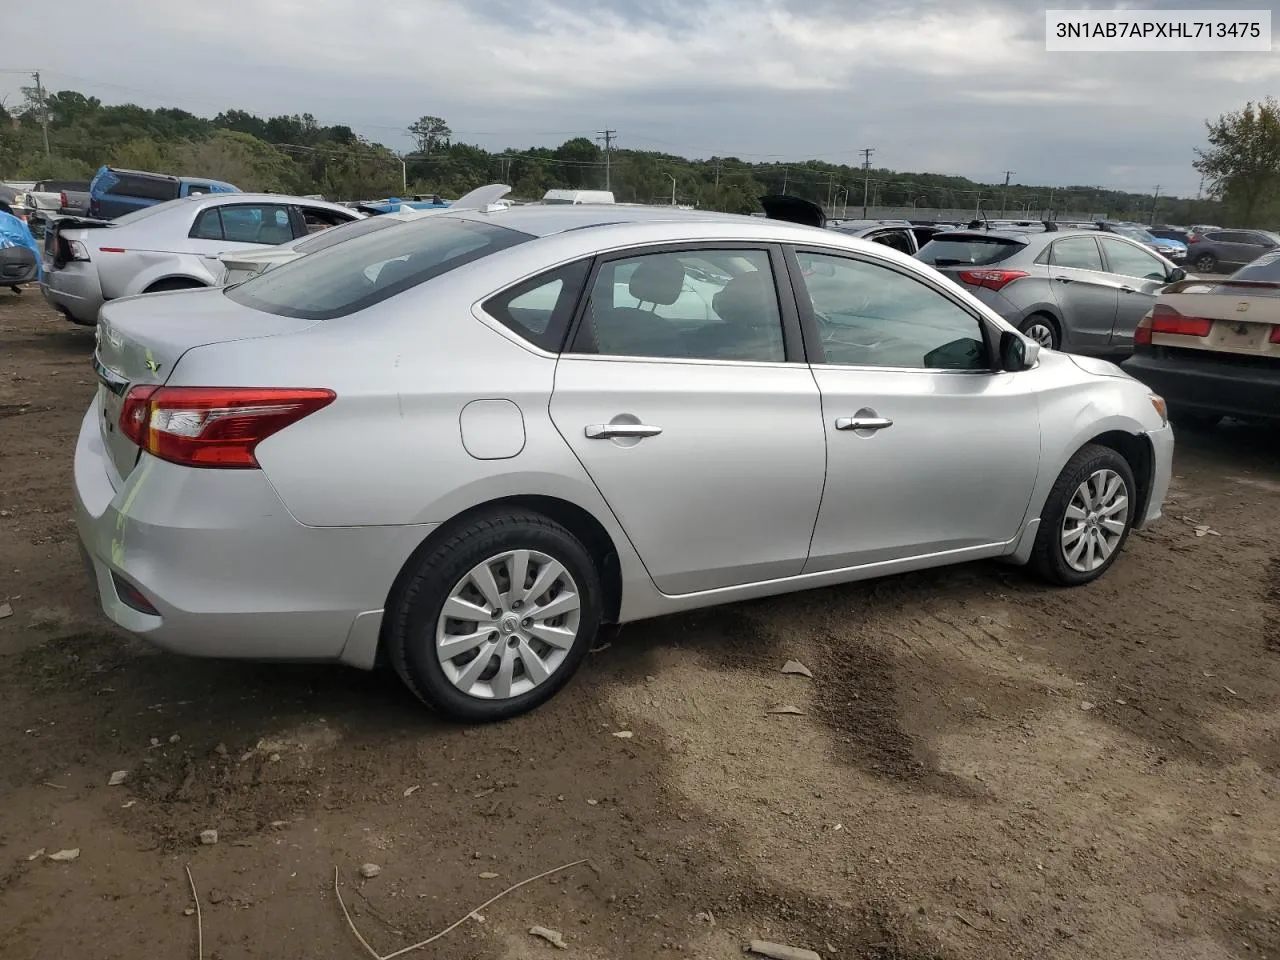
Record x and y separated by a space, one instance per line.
869 315
694 305
1130 260
351 276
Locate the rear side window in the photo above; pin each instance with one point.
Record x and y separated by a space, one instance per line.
1078 253
352 276
539 310
977 251
143 188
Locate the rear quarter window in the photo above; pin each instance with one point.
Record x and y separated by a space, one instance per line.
352 276
976 251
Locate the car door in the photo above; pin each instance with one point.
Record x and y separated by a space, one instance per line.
1087 295
704 435
930 452
1232 247
1142 275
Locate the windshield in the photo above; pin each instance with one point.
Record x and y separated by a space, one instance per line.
347 231
351 276
969 251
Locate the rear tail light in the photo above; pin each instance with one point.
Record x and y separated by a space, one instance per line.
73 250
1142 335
62 200
1193 238
991 279
213 426
1275 335
1165 319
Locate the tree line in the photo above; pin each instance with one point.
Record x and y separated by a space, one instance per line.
296 154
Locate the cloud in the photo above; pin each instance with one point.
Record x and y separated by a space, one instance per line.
934 85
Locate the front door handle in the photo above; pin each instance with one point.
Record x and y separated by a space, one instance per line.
863 423
1064 279
1128 290
614 431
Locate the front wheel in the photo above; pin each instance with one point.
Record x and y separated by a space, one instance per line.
496 618
1086 518
1205 263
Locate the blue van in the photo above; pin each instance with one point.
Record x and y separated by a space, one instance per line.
113 193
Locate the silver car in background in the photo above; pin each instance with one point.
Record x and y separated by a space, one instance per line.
1082 291
169 246
461 444
240 265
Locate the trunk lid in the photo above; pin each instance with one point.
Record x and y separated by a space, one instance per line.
140 341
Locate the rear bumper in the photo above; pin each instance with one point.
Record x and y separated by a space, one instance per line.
1210 385
227 569
75 290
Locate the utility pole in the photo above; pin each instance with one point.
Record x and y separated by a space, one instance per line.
44 111
1004 197
673 188
608 137
831 193
866 182
1155 203
785 172
717 175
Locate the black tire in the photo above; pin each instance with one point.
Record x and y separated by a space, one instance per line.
1205 263
174 283
1193 419
1046 321
415 612
1048 558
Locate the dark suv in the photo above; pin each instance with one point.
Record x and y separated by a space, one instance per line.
1217 249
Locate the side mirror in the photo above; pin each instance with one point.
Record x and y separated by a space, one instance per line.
1176 274
1017 352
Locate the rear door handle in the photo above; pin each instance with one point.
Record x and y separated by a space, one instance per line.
1128 290
1064 279
614 431
863 423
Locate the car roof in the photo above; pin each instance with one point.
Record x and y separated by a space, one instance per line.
218 199
542 220
1029 237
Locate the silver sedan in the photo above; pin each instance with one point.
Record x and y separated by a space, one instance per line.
461 445
168 246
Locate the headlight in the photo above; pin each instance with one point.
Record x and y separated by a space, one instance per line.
1161 407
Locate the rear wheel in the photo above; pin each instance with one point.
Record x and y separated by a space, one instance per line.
1205 263
1086 518
174 283
496 618
1043 329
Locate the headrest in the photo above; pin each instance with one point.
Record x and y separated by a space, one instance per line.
747 297
658 280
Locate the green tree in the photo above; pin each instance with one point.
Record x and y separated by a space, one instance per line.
1241 166
429 133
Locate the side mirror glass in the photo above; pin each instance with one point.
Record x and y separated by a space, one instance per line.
1176 274
1017 352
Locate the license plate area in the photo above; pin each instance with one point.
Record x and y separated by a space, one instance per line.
1239 337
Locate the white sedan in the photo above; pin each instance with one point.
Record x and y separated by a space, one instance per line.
168 246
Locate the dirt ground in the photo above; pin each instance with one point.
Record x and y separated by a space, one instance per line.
984 767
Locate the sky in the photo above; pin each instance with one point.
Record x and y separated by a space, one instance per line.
936 86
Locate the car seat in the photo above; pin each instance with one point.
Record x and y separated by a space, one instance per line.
635 331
